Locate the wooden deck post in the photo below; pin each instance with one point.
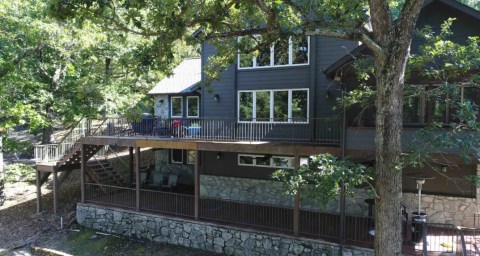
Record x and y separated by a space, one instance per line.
55 191
137 179
39 192
296 202
82 172
130 165
196 174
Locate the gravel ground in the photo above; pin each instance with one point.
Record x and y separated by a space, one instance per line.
22 229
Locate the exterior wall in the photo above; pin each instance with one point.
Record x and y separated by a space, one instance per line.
122 163
163 165
273 193
162 109
205 236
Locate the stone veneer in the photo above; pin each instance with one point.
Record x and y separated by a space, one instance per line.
274 193
205 236
163 165
161 109
440 209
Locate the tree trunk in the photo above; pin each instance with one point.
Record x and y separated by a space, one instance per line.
391 55
47 134
2 175
388 150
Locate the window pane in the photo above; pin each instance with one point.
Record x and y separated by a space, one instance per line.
263 58
177 107
191 157
411 110
192 106
246 160
263 161
281 52
280 106
299 105
246 106
263 106
300 50
177 156
246 60
281 162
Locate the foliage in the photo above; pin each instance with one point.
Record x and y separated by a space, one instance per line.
320 178
20 172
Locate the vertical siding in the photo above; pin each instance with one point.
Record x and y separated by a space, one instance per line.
225 88
328 50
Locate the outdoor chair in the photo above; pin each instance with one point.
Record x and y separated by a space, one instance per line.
157 181
171 183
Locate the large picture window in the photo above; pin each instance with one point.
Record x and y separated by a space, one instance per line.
176 107
283 52
429 107
273 106
192 106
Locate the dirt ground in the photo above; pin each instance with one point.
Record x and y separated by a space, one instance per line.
23 231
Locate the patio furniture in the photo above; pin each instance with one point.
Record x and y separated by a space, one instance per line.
171 183
157 181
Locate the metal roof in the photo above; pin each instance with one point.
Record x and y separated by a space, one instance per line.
183 80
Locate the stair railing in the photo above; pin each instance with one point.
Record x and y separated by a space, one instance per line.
54 152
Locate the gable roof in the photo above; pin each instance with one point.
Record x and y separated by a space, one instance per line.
183 80
345 60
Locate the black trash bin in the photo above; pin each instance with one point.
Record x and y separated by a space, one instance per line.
418 224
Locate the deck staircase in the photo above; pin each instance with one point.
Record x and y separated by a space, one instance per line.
100 172
65 156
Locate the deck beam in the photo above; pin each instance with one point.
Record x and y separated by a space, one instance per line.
39 192
196 171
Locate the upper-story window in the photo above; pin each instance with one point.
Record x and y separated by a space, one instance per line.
426 108
176 109
283 52
273 105
192 106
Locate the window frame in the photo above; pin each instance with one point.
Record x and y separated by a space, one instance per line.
290 160
290 119
171 106
198 106
171 156
272 57
194 156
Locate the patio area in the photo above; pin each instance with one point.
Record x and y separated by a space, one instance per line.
442 239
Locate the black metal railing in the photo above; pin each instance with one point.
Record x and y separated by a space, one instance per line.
311 130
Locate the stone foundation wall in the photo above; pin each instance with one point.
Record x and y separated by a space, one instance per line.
458 211
440 209
204 236
273 192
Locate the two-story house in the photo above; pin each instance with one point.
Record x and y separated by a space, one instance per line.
204 180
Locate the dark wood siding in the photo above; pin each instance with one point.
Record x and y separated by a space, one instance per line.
225 88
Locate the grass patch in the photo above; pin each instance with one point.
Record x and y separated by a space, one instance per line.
20 172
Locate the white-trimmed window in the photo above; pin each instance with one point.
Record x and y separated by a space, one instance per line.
176 156
283 52
284 106
176 107
191 156
192 106
266 161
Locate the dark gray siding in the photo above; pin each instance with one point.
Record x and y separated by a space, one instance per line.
225 88
328 51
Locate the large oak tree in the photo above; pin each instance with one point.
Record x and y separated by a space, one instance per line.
371 22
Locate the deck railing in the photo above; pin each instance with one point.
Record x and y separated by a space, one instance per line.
418 238
312 130
54 152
